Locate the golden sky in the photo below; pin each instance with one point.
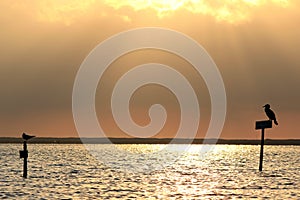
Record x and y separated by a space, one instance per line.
230 11
255 44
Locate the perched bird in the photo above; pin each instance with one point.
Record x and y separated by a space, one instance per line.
27 137
270 113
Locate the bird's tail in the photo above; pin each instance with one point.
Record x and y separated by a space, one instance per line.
275 122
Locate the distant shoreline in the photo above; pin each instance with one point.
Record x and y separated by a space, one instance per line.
46 140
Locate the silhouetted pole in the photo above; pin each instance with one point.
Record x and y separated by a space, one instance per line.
24 154
262 125
262 142
25 160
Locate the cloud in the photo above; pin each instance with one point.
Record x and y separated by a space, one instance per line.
56 10
230 11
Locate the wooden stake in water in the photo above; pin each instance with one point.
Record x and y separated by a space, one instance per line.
262 125
24 154
261 158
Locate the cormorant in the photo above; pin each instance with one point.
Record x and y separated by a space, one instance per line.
270 113
27 137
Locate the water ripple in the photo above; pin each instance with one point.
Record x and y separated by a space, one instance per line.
229 172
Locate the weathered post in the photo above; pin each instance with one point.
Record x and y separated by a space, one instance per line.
262 125
262 142
24 154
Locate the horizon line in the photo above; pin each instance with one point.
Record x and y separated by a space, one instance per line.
113 140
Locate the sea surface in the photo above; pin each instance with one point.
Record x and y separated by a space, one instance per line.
61 171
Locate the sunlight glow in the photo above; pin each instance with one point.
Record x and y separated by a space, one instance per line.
231 11
69 11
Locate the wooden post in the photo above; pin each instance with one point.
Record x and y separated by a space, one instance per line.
25 160
262 125
24 154
261 158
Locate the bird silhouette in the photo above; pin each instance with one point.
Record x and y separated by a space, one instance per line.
27 137
270 113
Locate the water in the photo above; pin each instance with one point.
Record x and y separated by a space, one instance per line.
228 172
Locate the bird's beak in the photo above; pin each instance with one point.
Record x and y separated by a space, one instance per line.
264 106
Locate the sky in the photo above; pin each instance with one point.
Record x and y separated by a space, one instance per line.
254 43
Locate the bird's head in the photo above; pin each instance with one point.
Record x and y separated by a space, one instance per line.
267 106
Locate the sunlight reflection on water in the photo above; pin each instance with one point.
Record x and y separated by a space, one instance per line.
229 171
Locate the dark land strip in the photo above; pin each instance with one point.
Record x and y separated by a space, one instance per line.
44 140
